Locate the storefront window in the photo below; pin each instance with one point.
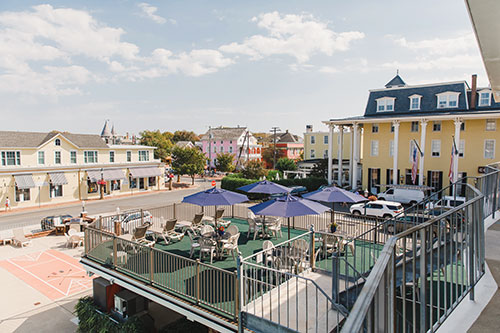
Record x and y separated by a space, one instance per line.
22 194
56 191
115 185
92 187
152 181
132 182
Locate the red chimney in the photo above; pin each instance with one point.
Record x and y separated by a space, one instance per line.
473 92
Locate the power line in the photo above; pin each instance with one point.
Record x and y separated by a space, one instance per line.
274 130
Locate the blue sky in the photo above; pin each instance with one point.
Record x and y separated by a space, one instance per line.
172 65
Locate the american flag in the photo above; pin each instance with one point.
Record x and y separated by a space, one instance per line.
451 174
414 167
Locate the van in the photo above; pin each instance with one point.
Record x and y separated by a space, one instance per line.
403 195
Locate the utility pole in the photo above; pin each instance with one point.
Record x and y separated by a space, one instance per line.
248 145
209 150
274 130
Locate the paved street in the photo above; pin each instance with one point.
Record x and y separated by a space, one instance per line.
146 200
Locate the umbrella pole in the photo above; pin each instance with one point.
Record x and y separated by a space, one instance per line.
288 228
333 213
215 218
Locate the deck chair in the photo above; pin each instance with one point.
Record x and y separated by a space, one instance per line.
253 226
169 234
208 245
231 245
138 236
19 238
218 215
267 253
195 225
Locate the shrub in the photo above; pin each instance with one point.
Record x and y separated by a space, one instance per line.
311 183
286 164
232 183
253 170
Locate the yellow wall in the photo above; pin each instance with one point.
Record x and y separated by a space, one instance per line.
474 136
320 147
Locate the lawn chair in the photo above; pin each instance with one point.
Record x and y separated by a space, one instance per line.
75 226
231 231
218 215
208 245
19 238
73 240
299 254
268 257
231 245
253 226
169 234
195 225
194 242
207 231
275 228
138 236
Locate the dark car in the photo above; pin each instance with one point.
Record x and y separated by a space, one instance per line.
47 223
405 222
294 190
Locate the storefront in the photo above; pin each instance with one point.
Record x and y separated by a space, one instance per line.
145 178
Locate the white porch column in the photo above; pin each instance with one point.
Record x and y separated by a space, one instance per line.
351 156
423 127
340 144
457 122
330 154
355 155
395 179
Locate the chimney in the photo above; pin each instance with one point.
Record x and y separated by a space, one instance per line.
473 92
309 128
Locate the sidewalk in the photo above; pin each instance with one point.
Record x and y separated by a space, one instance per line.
78 203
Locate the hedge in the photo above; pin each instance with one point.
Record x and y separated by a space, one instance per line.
232 183
311 183
90 320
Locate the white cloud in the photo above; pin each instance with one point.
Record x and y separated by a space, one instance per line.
459 61
149 11
299 36
440 46
328 70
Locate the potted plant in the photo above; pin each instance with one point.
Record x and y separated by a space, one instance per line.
220 231
333 227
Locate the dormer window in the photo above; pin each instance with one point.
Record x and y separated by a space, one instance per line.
385 104
415 102
447 99
484 98
57 142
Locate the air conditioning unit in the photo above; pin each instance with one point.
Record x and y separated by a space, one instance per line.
128 304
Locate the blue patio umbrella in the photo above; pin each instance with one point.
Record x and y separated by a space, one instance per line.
266 187
334 194
288 206
215 197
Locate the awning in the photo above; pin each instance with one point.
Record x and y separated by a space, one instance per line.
58 178
113 174
145 172
24 181
94 175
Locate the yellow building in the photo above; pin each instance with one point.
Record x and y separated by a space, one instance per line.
316 146
47 168
428 119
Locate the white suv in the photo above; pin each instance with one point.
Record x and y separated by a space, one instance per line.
378 208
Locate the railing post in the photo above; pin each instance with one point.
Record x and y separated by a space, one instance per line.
197 281
495 197
175 213
423 279
312 249
142 217
115 254
335 277
472 279
232 211
237 294
151 265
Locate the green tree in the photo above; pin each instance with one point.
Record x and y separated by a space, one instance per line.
286 164
253 169
320 169
188 161
224 162
159 140
185 136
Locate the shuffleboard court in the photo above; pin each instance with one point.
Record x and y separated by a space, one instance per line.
52 273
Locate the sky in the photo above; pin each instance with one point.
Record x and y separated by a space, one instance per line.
172 65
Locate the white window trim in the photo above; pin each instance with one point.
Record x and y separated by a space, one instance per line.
38 157
411 127
461 143
126 156
447 94
494 121
494 146
114 156
375 126
60 157
419 101
76 155
437 122
383 101
432 145
96 156
479 97
372 144
313 153
313 140
55 142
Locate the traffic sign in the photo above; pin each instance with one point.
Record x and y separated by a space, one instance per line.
213 182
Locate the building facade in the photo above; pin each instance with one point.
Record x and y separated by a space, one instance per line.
316 144
420 127
234 140
46 168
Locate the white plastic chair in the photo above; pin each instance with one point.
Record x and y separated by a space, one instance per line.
275 228
254 227
207 245
194 242
231 245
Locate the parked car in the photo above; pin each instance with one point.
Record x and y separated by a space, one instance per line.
130 220
403 223
403 195
294 190
378 208
47 223
447 201
456 219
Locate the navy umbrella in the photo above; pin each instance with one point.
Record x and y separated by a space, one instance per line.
266 187
215 197
288 206
334 194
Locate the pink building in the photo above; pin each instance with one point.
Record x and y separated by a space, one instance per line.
235 140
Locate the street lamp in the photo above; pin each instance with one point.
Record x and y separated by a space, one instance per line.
101 184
